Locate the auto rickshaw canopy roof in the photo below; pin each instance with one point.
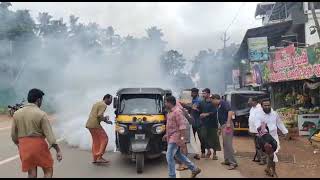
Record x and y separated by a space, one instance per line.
143 91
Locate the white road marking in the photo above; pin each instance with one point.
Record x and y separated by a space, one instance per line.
17 156
9 159
5 128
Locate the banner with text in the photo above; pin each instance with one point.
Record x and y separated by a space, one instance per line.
292 63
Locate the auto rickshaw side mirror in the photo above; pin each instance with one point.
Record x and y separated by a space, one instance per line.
115 102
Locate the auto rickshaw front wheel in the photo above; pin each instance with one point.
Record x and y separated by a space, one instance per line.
139 162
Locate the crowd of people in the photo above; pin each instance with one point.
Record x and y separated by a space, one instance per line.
209 116
205 119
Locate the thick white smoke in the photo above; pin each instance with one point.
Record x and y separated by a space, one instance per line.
73 85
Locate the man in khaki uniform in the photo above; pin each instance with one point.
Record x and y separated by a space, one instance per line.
30 127
99 136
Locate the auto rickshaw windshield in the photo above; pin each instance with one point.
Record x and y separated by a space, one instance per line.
240 101
141 104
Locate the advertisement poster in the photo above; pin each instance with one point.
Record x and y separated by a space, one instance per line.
235 76
258 49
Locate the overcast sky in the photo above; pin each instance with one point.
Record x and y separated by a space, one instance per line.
187 26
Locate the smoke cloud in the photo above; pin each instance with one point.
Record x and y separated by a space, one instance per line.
74 79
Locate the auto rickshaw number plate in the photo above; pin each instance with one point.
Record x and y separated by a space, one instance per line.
140 136
133 127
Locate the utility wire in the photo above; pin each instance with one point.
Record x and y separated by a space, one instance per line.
235 17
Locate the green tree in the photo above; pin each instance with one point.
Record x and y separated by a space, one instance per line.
172 62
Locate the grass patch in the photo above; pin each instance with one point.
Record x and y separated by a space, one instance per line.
3 110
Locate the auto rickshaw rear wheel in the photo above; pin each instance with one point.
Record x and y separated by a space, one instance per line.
139 162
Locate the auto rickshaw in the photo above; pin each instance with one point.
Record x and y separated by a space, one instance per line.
140 123
238 100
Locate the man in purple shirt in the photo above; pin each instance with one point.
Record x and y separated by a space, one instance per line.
175 136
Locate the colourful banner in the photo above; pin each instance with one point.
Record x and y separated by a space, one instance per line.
292 63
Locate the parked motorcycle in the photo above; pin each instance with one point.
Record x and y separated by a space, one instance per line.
13 109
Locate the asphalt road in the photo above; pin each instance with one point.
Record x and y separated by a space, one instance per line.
77 163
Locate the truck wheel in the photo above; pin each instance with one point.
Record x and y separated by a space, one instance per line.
139 162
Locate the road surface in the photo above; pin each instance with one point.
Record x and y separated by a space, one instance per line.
77 163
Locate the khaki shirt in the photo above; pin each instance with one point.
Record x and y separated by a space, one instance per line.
31 121
96 115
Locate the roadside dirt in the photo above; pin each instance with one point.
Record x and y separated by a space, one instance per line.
307 164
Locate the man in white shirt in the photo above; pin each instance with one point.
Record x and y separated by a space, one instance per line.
273 121
255 108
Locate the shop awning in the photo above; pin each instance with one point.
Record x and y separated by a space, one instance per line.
273 32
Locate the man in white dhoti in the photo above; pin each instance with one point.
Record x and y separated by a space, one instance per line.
255 108
273 121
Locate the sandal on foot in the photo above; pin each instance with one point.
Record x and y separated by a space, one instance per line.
232 167
225 163
182 168
214 157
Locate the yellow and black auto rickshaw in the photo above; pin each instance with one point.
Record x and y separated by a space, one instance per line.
140 123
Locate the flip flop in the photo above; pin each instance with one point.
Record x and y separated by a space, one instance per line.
232 167
102 161
182 168
224 163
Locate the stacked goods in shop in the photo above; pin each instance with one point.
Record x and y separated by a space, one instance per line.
289 116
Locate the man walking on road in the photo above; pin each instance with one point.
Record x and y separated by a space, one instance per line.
175 137
99 136
209 127
224 116
271 118
196 124
30 128
255 109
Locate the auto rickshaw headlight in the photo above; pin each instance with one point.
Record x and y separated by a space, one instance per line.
121 129
159 129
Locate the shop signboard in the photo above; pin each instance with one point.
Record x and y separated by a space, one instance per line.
258 49
293 63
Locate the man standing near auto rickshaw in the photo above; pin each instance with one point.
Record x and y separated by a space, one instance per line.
30 128
99 136
196 124
175 137
209 127
255 109
224 116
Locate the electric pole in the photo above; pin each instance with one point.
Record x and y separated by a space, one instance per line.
224 39
314 15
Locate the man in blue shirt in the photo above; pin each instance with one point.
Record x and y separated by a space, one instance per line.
224 116
195 113
209 125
